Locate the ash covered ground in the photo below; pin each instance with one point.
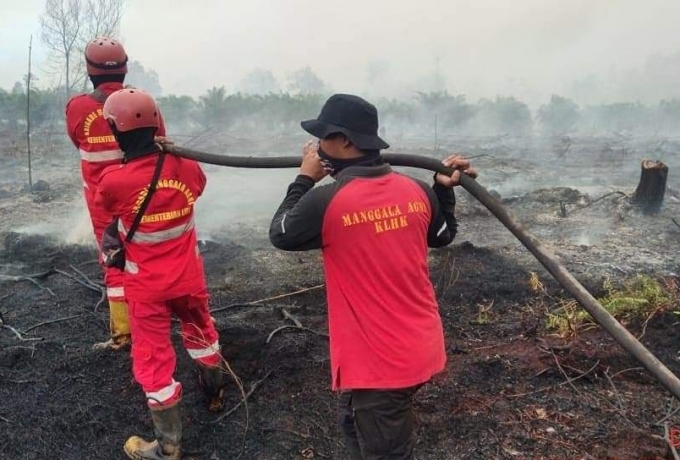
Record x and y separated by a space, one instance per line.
514 388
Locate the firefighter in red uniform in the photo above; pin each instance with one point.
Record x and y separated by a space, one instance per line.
373 227
163 270
106 62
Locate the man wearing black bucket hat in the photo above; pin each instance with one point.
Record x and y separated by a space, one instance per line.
373 226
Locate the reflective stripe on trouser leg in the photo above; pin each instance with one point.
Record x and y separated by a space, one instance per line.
115 292
209 356
165 397
113 278
153 357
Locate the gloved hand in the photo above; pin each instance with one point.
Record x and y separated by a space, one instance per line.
163 141
113 251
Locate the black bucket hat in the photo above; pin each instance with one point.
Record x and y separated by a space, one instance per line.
350 115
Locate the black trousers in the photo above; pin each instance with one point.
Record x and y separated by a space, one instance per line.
378 424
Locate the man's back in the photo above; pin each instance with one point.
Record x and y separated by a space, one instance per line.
381 301
162 258
90 132
374 227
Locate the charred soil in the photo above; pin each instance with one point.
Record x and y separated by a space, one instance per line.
512 389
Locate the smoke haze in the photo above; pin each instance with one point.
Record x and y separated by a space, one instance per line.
604 52
527 48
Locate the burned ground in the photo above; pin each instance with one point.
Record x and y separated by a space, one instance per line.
504 394
513 388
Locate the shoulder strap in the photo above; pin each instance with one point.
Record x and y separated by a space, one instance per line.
99 95
145 203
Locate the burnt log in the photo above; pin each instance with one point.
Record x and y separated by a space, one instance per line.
652 187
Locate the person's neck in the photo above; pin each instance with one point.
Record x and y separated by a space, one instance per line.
137 145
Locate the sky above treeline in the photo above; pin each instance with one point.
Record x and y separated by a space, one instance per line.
526 48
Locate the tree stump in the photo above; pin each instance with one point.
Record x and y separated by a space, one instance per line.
652 187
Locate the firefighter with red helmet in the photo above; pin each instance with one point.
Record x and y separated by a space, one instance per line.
106 62
163 269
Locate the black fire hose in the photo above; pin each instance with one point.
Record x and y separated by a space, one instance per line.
544 256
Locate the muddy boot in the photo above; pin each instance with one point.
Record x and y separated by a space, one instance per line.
114 344
211 380
167 445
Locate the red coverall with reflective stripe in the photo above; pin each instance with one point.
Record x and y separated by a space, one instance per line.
91 135
164 270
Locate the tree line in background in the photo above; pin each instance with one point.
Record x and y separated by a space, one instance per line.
260 101
448 113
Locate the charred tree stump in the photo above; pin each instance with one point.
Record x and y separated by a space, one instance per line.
652 187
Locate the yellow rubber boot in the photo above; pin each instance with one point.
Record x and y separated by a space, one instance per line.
119 325
119 322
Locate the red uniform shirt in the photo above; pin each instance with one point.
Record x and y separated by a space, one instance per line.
374 227
162 260
90 133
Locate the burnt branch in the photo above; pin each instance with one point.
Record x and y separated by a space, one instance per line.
92 283
233 306
100 301
30 278
84 276
252 390
18 334
619 400
568 381
297 325
268 299
85 283
561 369
669 413
616 192
45 323
288 315
288 326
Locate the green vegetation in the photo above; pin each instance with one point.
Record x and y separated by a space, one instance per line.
637 299
424 112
